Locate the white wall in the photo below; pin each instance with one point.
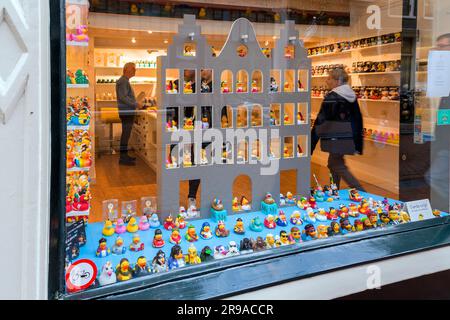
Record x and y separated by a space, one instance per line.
24 148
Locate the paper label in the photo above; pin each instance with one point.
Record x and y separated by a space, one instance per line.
419 210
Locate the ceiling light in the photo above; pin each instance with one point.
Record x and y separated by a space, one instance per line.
166 41
274 37
133 40
266 43
149 31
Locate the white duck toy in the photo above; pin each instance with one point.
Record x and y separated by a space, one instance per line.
321 214
107 276
310 216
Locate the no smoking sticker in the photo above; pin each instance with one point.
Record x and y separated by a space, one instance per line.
80 275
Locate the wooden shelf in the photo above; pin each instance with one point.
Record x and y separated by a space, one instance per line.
368 100
373 73
77 86
77 44
355 49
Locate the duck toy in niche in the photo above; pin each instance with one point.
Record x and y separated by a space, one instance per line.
188 87
192 255
273 85
269 222
168 223
206 255
118 248
191 234
175 237
159 262
221 230
245 204
108 229
136 244
158 241
144 225
132 226
281 220
235 205
171 87
120 226
224 87
239 226
188 123
255 88
141 268
176 258
171 126
205 88
107 275
205 231
269 205
217 210
102 250
123 270
256 224
240 87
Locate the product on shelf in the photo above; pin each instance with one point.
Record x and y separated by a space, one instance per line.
80 35
79 77
78 111
377 66
323 70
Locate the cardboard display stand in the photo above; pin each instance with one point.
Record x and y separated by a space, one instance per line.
240 52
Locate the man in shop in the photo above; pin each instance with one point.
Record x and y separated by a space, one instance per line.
339 126
127 104
438 175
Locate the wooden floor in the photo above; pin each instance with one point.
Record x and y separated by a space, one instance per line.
131 183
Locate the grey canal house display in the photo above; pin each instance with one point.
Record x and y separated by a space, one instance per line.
262 96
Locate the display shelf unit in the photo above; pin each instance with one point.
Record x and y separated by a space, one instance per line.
349 51
374 73
77 86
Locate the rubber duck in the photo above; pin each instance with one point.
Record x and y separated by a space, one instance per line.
284 238
107 275
290 199
217 204
175 237
346 226
384 218
366 223
322 214
404 216
312 202
364 207
154 221
143 223
282 200
188 87
191 234
394 216
334 229
270 241
102 250
132 226
118 247
259 244
303 203
319 195
179 222
269 222
353 209
220 252
239 226
206 255
159 263
309 233
354 195
310 216
221 230
358 225
296 219
192 256
205 231
295 235
281 220
141 268
373 219
123 270
188 125
232 249
158 241
344 211
168 223
136 244
235 205
176 258
322 231
120 226
269 199
256 224
245 204
108 229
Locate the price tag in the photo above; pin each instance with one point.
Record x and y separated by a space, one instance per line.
80 275
419 210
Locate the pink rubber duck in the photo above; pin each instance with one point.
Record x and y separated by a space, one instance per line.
143 223
120 226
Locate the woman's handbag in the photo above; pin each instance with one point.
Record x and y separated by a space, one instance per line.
336 137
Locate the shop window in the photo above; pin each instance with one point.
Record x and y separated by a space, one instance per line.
189 81
288 147
226 81
242 193
274 150
206 117
302 82
188 155
242 81
302 113
189 114
226 118
289 52
275 81
302 145
189 49
289 79
289 114
172 81
188 189
206 85
172 156
172 122
256 151
242 152
257 82
256 117
275 114
242 117
242 51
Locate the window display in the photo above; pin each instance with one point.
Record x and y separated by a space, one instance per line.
176 201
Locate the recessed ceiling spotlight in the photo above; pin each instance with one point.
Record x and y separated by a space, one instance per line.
266 43
149 31
166 41
274 37
133 40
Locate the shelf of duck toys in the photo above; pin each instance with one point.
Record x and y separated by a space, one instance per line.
349 51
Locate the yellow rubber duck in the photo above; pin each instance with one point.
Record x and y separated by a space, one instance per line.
132 226
192 257
123 270
108 229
